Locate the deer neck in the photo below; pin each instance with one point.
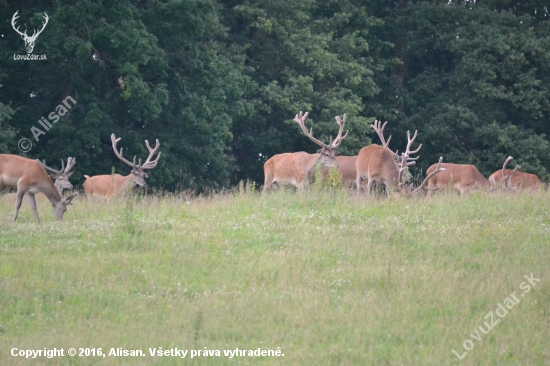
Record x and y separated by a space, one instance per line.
314 164
58 187
52 193
126 183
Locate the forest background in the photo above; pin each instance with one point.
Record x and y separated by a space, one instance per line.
219 82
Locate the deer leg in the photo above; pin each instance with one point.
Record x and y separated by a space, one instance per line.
18 201
358 184
32 201
388 189
369 186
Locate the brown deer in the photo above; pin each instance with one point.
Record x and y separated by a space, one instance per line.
109 185
378 163
462 178
297 169
60 178
346 168
514 179
29 177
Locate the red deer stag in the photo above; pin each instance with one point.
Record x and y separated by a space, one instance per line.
346 168
514 179
111 185
347 165
60 179
297 169
462 178
378 163
380 131
28 176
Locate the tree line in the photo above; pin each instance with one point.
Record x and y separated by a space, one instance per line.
218 82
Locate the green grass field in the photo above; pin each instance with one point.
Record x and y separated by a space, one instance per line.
327 279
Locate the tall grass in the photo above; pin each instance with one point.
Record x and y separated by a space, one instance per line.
329 279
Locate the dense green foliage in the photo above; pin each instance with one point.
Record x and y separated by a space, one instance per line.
218 82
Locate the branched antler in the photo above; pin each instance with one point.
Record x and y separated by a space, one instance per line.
148 163
505 178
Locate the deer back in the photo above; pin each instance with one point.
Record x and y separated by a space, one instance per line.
377 163
518 180
461 176
29 174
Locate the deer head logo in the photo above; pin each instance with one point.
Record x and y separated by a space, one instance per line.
29 40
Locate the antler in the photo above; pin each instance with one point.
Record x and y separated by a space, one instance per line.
439 169
380 131
410 161
505 177
338 140
148 163
114 141
70 164
56 172
300 119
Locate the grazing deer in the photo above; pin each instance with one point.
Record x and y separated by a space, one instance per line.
113 184
60 178
380 132
297 169
28 176
379 163
514 179
462 178
346 168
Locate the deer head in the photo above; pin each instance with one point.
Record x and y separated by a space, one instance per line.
29 40
407 176
61 177
138 170
327 153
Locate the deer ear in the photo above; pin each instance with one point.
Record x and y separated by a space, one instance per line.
69 174
52 176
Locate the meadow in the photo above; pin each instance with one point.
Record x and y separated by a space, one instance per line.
325 278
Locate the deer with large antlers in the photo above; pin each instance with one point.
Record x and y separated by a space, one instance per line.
29 40
60 179
379 163
297 169
112 185
29 177
514 179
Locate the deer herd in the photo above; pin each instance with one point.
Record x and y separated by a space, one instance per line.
374 163
377 163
